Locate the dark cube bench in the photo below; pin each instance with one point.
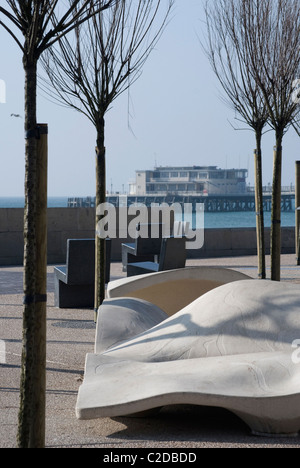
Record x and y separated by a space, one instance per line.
143 249
172 257
74 283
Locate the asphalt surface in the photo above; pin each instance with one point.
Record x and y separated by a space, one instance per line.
70 336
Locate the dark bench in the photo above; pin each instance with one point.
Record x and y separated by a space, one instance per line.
145 248
74 283
172 257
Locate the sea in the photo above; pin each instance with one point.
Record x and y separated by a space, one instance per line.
211 220
18 202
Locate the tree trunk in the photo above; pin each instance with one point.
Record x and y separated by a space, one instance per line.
297 215
39 390
100 198
29 279
31 433
260 225
276 210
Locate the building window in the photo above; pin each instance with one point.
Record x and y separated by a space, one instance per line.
217 175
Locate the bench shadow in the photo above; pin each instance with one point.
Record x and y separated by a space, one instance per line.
190 423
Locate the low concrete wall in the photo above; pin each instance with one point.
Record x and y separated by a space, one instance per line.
63 224
72 223
240 241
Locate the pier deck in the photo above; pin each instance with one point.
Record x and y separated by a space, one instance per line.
212 203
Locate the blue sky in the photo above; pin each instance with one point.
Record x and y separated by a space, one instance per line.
175 114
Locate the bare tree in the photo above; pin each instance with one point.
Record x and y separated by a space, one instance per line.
36 25
227 52
105 58
272 35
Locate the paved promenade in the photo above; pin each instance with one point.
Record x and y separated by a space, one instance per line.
70 335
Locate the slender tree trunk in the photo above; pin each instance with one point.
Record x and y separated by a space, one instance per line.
260 225
297 216
276 209
39 390
27 382
31 431
100 198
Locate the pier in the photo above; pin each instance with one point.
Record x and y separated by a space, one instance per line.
212 203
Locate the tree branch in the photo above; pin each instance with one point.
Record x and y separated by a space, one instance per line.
11 18
13 36
62 29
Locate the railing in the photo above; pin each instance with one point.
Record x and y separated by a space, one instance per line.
287 189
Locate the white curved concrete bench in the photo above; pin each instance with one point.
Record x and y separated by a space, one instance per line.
121 319
231 348
174 289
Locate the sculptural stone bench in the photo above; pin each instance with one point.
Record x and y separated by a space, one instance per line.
234 347
172 290
74 282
